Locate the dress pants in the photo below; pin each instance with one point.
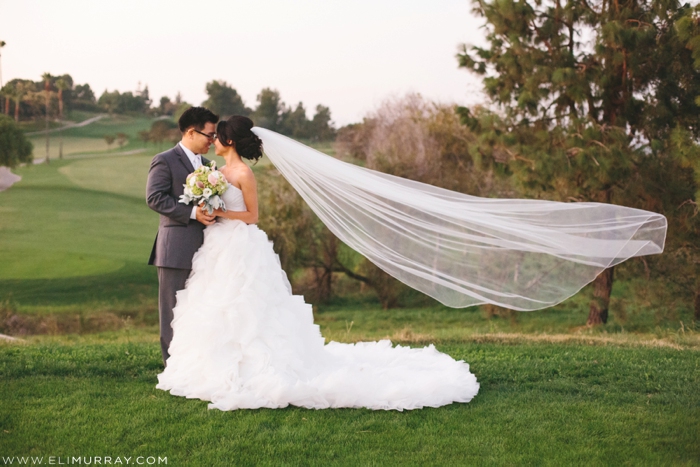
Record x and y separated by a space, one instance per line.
170 280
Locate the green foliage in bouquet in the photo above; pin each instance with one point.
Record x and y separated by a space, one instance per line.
205 186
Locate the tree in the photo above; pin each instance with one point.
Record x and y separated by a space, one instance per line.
270 110
6 95
109 101
122 138
413 138
109 139
164 104
164 130
2 44
167 107
62 85
224 100
589 94
15 148
144 136
145 97
321 125
129 102
28 97
83 98
47 96
18 92
295 123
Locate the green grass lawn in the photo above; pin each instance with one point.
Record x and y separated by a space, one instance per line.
56 236
89 139
539 403
75 236
111 125
71 145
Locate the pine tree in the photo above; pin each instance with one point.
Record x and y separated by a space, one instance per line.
589 95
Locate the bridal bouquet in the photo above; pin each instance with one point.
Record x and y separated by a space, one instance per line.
205 187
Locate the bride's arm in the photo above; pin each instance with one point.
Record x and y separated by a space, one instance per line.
250 196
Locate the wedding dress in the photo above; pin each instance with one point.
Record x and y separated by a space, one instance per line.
241 339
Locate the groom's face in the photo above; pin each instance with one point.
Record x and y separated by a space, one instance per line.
201 142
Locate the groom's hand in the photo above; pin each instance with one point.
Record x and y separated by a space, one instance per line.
204 217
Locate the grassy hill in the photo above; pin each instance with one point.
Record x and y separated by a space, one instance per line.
75 236
87 139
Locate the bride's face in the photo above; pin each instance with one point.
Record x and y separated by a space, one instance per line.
220 149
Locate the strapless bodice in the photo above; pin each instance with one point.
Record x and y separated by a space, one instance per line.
233 198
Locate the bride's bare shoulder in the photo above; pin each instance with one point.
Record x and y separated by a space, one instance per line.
245 173
238 174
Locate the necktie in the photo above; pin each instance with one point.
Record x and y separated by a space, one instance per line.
197 161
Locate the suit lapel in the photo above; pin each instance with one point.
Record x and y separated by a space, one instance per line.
183 158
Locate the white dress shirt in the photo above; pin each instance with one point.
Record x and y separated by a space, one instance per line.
196 160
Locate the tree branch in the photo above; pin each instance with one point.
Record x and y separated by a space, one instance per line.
339 267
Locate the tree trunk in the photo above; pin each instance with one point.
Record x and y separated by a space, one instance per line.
17 110
47 125
7 105
325 285
329 244
697 301
47 137
602 287
60 104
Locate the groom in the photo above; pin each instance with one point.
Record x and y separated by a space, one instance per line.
181 228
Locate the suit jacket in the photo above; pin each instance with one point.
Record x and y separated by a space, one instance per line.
179 237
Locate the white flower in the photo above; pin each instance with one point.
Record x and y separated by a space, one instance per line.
207 193
193 181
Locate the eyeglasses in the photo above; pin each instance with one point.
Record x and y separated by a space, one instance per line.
211 137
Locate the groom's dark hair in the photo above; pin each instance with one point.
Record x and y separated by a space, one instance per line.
196 117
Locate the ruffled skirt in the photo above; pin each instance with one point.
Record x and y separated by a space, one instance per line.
242 340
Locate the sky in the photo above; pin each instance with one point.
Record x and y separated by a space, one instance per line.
347 55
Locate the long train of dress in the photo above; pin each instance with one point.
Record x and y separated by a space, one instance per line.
243 340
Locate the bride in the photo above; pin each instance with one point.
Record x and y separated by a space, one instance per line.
242 340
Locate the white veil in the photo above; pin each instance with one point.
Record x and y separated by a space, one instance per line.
464 250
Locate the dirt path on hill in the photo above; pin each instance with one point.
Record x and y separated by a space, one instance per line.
65 127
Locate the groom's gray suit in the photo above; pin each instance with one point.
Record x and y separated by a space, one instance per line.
179 236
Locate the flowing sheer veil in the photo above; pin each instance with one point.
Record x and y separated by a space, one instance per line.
464 250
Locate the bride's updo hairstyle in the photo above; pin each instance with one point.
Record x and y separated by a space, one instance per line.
236 129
